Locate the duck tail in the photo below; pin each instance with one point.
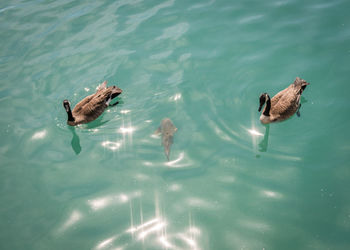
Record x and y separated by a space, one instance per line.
102 86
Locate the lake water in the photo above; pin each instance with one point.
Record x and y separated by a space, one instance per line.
231 183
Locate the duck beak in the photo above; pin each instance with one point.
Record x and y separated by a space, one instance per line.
260 108
66 105
67 108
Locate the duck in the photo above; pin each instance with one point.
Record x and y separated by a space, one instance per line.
284 104
92 106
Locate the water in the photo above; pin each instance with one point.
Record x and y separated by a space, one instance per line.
230 184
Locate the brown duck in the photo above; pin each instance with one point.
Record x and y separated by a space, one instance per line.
284 104
91 106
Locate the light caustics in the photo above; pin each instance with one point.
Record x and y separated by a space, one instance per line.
106 242
177 162
150 227
148 233
74 217
254 132
126 131
111 145
154 231
175 97
156 227
271 194
102 202
125 111
39 135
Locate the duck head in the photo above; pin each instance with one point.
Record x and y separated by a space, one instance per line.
116 91
301 82
66 105
262 100
265 98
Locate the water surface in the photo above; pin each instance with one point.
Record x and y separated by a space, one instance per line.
231 183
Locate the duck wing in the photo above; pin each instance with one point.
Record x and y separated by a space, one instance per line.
279 95
80 105
87 99
287 104
91 106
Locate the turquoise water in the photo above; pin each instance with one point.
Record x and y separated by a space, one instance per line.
231 183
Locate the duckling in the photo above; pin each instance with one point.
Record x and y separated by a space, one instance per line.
91 106
284 104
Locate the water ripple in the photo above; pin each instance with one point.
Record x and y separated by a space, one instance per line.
174 32
135 20
201 5
161 55
231 183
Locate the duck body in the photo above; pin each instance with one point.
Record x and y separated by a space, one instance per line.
92 106
284 104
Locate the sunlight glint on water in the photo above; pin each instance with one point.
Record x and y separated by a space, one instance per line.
230 182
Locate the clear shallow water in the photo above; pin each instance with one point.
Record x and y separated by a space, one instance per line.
229 184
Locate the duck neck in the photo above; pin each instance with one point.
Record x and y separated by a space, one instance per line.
268 106
70 115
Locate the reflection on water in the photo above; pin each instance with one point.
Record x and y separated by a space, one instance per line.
302 101
175 187
125 111
176 97
264 143
126 130
271 194
73 219
102 202
39 135
155 231
112 145
177 162
148 228
254 132
75 141
107 242
176 59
